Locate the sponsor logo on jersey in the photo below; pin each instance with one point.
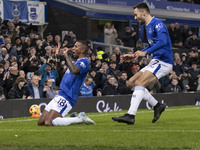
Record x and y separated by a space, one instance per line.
159 26
83 64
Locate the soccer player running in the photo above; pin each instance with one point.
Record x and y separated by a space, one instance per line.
161 48
61 104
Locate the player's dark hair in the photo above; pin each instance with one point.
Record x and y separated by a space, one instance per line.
142 6
85 45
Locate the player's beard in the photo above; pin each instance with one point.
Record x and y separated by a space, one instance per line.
142 22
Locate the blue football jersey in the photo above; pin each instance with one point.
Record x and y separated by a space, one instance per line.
159 41
71 84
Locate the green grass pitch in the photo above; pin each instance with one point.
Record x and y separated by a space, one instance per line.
178 128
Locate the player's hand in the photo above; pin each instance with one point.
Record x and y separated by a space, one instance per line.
139 54
65 51
127 57
58 49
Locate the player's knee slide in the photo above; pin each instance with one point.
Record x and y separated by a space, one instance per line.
48 123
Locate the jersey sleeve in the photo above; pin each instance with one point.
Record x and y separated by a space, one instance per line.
84 65
161 39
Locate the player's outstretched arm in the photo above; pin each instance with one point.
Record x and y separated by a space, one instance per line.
73 68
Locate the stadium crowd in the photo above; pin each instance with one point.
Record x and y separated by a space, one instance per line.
30 69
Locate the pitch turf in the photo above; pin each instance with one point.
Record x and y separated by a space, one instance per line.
178 128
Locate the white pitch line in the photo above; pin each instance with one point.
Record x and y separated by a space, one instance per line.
147 111
101 114
125 130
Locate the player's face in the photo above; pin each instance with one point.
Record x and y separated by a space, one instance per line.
139 16
77 49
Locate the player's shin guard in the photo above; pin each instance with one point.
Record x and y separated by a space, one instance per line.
136 99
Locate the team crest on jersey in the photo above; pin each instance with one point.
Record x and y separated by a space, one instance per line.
159 26
83 64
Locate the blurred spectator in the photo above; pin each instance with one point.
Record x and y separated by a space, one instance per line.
48 54
178 38
192 42
185 32
31 65
100 52
2 95
102 73
4 56
135 68
22 74
139 45
49 92
97 78
143 62
34 89
99 92
40 50
129 37
87 88
126 66
194 75
57 40
177 67
105 58
112 67
123 79
174 87
1 75
117 52
70 37
113 57
48 72
32 52
172 33
109 35
6 66
93 60
10 78
1 44
111 88
18 90
118 40
49 40
192 57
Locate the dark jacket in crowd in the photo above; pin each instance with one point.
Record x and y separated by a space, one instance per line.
128 39
193 80
30 91
9 83
126 66
173 89
15 92
123 87
110 90
191 43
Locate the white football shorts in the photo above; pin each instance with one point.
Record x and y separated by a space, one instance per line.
59 104
158 68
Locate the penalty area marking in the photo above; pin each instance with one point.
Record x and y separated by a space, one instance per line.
99 114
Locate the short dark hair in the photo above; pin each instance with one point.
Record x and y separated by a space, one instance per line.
85 45
142 6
